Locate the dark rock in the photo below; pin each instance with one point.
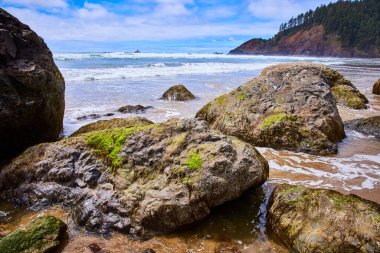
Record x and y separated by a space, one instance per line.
324 220
95 248
289 106
376 88
40 236
134 109
154 177
149 251
90 116
32 88
368 126
178 93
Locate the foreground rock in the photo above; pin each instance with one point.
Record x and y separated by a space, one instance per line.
32 88
324 220
141 179
368 126
376 88
178 93
42 235
134 109
289 106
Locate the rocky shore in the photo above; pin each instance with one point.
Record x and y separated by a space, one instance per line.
147 179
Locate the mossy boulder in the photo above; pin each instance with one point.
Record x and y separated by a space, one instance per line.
376 88
289 106
368 126
134 176
321 220
178 93
41 235
32 89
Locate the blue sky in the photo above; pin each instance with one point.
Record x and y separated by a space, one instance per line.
154 25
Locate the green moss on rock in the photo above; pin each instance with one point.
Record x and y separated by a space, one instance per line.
276 118
345 95
42 235
194 161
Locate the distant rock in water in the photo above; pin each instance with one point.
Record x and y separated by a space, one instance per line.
376 88
134 176
32 88
178 93
134 109
324 220
368 126
289 106
42 235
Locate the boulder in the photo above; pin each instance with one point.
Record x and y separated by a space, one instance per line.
376 88
324 220
368 126
134 109
178 93
289 106
40 236
32 88
137 177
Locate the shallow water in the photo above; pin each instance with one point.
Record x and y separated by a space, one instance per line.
100 83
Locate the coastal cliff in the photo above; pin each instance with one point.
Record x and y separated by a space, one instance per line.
341 29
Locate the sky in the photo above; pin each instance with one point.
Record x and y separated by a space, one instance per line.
154 25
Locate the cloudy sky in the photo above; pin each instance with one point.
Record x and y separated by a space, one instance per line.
83 25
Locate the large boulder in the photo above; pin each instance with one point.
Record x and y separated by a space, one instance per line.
139 179
178 93
368 126
289 106
40 236
32 88
376 88
324 220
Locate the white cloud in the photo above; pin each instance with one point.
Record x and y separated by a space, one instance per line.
281 9
38 3
92 11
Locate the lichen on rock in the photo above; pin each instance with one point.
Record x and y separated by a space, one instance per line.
289 106
40 236
323 220
134 176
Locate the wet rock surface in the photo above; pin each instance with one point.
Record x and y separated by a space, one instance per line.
289 106
368 126
40 236
140 179
32 88
134 109
178 93
324 220
376 88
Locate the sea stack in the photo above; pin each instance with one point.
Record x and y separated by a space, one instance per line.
178 93
32 88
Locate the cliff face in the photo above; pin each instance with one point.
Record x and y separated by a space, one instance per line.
311 42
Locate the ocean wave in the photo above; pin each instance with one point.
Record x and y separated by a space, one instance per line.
126 55
160 69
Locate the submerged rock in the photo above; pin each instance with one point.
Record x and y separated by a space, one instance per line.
32 88
134 176
178 93
134 109
41 235
368 126
376 88
324 220
289 106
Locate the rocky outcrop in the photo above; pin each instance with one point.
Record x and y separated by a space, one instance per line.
376 88
368 126
324 220
134 109
289 106
136 177
32 88
40 236
177 93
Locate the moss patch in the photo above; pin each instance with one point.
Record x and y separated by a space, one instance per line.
221 100
345 96
242 96
194 161
108 143
276 118
39 236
